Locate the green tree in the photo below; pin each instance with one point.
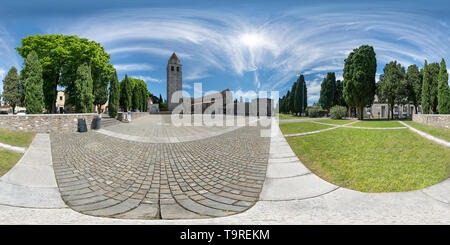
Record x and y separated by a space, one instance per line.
443 90
359 78
430 87
433 70
114 96
299 95
305 96
83 87
60 57
100 91
414 85
390 88
338 97
126 90
327 91
292 98
32 76
12 89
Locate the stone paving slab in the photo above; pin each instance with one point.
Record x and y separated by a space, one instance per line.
440 192
295 188
284 170
30 197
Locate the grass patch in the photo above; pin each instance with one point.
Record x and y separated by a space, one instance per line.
373 161
16 138
289 116
7 160
442 133
337 122
301 127
377 124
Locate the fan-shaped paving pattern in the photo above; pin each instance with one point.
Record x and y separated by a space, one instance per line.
105 176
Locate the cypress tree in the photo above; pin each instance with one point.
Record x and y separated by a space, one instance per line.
298 100
126 94
12 89
443 90
305 96
426 90
327 90
433 71
83 89
33 82
114 95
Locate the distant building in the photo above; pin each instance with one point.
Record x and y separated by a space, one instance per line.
380 110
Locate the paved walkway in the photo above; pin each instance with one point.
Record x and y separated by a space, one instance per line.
12 148
31 182
291 194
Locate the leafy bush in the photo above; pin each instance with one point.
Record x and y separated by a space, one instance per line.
338 112
313 113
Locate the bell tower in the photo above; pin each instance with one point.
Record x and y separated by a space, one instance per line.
174 80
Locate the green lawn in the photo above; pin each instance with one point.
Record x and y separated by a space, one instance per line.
301 127
377 124
373 161
289 116
337 122
7 160
16 138
441 133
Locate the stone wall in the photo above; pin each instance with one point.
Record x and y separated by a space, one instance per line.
45 123
437 120
122 116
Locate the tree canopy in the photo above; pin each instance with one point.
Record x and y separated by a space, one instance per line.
414 85
443 90
359 77
60 57
391 87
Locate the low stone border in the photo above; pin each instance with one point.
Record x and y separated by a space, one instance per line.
17 149
430 137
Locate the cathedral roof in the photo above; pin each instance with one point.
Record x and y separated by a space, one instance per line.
174 59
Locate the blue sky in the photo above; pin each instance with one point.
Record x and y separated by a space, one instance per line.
244 46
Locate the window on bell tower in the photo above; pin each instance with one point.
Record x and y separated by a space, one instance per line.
178 68
171 68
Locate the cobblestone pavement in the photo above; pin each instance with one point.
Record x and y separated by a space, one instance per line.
105 176
161 126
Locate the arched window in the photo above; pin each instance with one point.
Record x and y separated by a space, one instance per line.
178 68
171 68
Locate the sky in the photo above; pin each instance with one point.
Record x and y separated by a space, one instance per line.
245 46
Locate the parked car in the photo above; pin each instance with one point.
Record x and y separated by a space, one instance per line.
22 112
3 113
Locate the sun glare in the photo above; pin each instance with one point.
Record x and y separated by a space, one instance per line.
252 39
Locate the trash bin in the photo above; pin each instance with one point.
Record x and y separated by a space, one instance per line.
98 121
82 127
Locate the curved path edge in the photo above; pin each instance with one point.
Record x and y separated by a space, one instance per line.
288 179
428 136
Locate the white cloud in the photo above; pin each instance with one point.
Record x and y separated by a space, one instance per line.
246 95
186 86
148 79
133 67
